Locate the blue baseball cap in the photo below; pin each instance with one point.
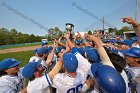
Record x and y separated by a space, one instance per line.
127 42
35 50
133 52
44 43
92 54
135 38
109 79
113 50
105 40
8 63
58 49
81 51
30 68
50 48
70 62
88 40
78 41
118 41
112 40
42 50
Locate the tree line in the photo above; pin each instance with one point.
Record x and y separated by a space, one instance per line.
120 31
56 32
14 37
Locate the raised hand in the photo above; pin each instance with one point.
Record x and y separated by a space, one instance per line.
67 35
129 20
79 35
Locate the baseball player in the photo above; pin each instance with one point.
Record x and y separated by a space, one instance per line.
75 71
43 53
135 42
35 57
70 64
124 44
11 80
72 80
45 43
106 61
132 57
39 83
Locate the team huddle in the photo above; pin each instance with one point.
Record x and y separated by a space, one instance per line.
80 64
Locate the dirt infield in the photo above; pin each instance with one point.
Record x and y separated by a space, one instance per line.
19 49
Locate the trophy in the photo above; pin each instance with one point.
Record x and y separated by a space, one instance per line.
69 28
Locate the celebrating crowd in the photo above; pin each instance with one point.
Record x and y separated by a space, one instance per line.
80 64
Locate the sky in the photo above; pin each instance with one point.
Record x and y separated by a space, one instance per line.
37 16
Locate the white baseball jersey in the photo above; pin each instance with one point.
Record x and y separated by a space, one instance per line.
132 73
67 84
138 84
95 91
136 45
11 84
35 59
54 60
125 77
39 85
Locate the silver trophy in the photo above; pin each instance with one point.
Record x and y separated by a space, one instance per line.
69 28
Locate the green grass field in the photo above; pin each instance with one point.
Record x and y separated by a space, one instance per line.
23 56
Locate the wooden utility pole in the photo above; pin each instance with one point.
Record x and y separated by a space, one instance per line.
137 7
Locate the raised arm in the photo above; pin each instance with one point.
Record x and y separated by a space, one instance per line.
82 62
103 55
67 36
51 55
135 24
61 43
55 69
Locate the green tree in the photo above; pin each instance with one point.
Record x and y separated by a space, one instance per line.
4 36
126 28
54 32
32 38
110 30
15 37
89 32
49 38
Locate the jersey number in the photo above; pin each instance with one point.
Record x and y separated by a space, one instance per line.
76 89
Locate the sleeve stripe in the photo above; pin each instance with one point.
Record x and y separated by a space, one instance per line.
76 53
48 80
74 50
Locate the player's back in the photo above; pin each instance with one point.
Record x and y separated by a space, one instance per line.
67 84
39 85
